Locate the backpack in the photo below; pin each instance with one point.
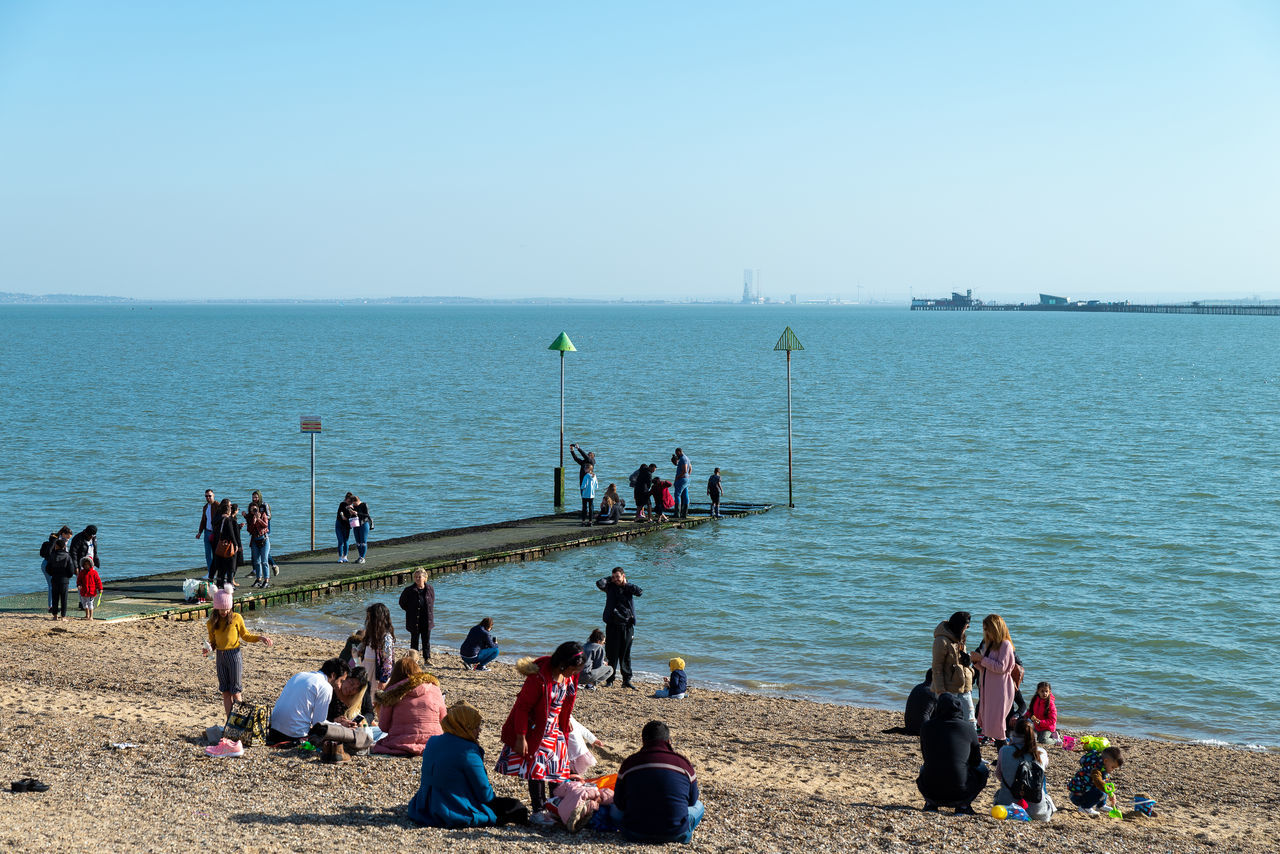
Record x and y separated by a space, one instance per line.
45 548
1028 781
635 475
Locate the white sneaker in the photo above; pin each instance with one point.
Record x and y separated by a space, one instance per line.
361 560
1089 811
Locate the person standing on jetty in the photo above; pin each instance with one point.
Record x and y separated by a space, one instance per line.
346 520
208 518
714 491
619 623
641 484
684 470
264 509
952 673
225 542
362 530
588 487
419 603
582 458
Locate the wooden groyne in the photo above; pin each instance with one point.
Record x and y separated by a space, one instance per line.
310 576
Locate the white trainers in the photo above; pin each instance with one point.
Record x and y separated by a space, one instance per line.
1089 811
361 560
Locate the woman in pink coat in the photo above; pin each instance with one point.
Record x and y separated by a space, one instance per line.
995 672
410 710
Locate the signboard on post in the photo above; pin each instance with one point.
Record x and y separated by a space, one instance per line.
311 424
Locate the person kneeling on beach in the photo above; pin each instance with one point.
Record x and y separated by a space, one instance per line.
656 796
597 668
953 772
454 789
480 647
303 703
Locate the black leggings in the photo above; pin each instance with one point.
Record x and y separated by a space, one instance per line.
59 596
588 509
537 795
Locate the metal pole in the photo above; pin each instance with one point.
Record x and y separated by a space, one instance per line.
559 489
313 492
790 500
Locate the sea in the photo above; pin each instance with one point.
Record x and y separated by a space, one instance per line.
1107 483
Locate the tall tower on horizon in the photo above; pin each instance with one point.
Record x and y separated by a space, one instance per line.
747 296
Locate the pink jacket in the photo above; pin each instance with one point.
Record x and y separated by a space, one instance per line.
1047 713
996 687
409 712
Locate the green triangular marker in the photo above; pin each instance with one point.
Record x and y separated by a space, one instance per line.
789 341
563 343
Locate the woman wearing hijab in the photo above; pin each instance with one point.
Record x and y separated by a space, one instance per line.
454 790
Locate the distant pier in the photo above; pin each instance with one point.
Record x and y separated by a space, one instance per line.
1048 302
310 576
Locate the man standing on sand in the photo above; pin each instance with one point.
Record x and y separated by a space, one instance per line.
680 488
207 530
619 624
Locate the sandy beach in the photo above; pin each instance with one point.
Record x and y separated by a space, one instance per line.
776 774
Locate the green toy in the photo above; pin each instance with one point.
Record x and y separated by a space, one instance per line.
1094 742
1110 789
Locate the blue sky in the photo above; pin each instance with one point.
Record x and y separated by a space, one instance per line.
189 150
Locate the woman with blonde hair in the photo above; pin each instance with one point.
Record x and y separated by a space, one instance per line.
410 710
995 673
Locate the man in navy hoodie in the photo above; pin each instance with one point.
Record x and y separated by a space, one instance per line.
656 796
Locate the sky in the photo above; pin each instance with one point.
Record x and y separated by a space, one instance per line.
191 150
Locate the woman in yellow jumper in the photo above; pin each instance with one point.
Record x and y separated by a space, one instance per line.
226 630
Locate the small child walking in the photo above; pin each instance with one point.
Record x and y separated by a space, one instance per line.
1043 713
1088 788
714 491
675 685
89 583
226 631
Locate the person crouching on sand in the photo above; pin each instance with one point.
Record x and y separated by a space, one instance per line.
226 631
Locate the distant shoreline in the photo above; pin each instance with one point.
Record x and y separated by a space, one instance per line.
89 299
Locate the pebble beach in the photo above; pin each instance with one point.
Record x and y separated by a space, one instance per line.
776 774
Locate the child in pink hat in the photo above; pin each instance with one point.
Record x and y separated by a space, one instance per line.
226 631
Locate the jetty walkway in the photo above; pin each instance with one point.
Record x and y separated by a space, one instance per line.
307 576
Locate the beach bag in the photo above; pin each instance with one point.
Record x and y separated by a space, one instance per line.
1017 673
225 548
668 500
1028 782
354 521
247 723
195 588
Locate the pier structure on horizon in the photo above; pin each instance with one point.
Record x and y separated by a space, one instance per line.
1049 302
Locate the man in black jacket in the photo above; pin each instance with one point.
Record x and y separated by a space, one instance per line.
642 485
953 772
619 624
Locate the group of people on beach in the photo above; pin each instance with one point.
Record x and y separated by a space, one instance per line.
953 728
367 700
222 524
653 495
64 557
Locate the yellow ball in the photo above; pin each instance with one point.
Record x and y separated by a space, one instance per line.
999 812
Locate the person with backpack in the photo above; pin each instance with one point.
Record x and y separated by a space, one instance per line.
62 535
1021 768
641 483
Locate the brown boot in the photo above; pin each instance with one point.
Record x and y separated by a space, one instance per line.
333 752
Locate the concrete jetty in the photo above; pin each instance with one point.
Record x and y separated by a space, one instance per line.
312 575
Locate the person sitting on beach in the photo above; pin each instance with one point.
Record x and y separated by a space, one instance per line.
409 710
303 703
89 585
611 506
453 788
953 772
1019 752
1088 788
597 668
920 705
1044 714
656 796
480 647
675 685
352 700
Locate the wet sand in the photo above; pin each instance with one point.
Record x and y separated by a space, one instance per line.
776 774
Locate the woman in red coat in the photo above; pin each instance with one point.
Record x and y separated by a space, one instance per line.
533 737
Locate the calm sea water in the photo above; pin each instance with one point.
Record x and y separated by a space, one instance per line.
1107 483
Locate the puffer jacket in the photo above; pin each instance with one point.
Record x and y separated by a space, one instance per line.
409 712
949 674
528 717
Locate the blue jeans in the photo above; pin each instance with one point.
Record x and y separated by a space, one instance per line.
680 489
208 552
258 552
362 538
1092 799
48 581
485 656
343 529
695 818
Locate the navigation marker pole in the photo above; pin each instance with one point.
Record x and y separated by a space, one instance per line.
789 342
311 424
564 345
